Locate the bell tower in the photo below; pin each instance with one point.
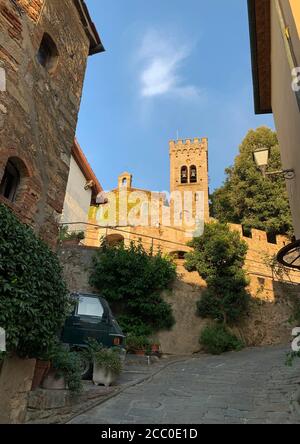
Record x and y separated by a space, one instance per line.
189 168
125 181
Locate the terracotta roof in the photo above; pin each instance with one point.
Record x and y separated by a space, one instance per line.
260 37
89 27
86 169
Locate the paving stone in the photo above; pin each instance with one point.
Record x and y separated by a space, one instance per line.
252 387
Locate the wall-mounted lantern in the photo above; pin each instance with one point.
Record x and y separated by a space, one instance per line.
261 157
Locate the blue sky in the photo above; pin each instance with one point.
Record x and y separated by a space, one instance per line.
169 65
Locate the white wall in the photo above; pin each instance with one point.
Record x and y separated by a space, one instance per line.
77 200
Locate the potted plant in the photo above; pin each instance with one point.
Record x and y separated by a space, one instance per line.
139 345
65 372
107 363
155 346
72 237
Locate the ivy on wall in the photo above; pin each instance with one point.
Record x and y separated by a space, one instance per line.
34 301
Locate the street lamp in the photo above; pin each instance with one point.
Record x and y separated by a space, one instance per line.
261 157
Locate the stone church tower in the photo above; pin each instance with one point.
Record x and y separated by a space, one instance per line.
189 168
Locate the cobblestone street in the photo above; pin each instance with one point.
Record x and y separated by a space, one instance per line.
253 386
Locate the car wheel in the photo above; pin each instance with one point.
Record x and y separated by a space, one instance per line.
86 366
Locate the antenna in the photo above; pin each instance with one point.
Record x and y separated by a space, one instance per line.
177 134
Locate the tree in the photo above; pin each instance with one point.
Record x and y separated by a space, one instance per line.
34 300
247 197
135 279
219 256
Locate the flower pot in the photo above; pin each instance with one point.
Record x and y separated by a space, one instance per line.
103 376
140 352
155 348
54 382
41 370
70 242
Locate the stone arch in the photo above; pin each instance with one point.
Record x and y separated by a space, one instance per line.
14 177
30 186
114 239
179 255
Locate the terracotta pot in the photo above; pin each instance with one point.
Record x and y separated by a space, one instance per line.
140 352
155 348
41 370
52 382
71 242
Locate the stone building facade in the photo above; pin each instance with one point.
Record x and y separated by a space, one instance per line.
44 47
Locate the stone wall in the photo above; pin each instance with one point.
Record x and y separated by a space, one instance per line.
172 240
15 384
267 322
77 263
39 109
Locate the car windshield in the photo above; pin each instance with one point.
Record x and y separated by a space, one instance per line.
89 306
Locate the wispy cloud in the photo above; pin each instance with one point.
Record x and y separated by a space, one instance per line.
161 59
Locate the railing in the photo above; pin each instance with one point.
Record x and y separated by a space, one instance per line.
126 235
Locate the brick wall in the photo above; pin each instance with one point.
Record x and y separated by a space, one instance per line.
39 110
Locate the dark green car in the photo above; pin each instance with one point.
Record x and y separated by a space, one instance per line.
91 318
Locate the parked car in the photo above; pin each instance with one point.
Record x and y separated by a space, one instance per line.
91 318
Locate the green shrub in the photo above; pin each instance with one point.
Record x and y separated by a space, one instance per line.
217 339
34 301
225 306
68 365
135 279
219 256
132 325
134 343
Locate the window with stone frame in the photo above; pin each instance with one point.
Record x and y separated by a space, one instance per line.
48 54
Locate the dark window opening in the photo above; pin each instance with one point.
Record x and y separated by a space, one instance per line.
247 232
184 175
271 237
193 174
48 54
10 182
